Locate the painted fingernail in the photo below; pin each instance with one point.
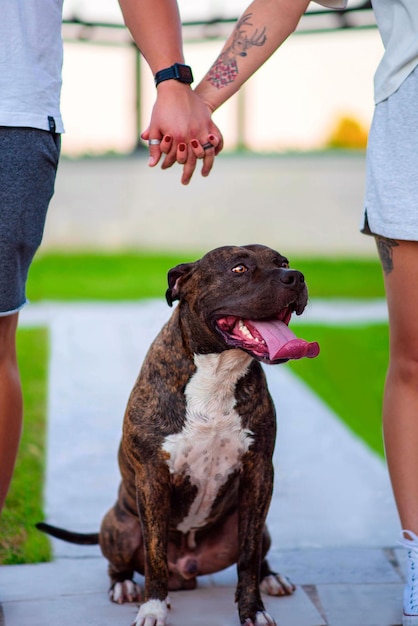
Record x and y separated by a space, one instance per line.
167 138
212 138
182 147
194 143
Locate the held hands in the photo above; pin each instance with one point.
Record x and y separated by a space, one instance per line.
181 128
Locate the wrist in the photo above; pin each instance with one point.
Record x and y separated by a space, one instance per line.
178 72
205 95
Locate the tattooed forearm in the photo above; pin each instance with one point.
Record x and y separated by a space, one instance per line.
384 246
225 68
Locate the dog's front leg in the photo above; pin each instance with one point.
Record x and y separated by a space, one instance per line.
153 498
255 491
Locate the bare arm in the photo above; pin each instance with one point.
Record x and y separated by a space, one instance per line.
179 115
156 28
261 30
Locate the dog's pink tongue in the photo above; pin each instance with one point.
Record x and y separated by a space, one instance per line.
282 343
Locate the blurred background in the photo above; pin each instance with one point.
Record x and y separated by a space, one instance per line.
296 101
291 174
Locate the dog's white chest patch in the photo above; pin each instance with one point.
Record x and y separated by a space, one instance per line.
213 441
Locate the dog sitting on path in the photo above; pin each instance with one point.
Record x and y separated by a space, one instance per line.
199 433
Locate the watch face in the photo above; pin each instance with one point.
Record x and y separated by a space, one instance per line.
184 73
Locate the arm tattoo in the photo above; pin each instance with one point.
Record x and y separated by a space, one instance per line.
384 246
225 68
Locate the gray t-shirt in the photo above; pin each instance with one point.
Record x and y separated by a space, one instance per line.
398 26
31 63
397 21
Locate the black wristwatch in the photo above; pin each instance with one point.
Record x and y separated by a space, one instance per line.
182 73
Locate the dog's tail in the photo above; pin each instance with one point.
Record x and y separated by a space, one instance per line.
84 539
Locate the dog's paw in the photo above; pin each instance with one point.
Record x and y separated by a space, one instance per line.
152 613
261 619
277 585
126 591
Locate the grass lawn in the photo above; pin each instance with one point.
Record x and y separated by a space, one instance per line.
131 276
20 542
348 374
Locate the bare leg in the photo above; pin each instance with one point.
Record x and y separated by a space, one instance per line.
400 404
10 403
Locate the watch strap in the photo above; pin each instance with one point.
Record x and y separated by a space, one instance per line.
178 71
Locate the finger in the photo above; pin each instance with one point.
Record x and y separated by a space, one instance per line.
188 169
170 159
197 149
174 154
209 156
145 134
169 148
200 148
217 142
154 151
208 161
181 154
166 144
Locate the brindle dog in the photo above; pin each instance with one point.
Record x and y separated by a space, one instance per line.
199 433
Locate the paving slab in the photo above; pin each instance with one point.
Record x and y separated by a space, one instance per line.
192 608
63 577
86 610
54 587
349 565
361 605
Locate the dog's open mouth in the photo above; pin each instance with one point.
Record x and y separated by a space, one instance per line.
270 340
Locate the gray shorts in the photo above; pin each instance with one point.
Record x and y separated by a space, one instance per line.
28 165
391 200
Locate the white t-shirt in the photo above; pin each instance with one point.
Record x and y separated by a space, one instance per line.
31 62
398 26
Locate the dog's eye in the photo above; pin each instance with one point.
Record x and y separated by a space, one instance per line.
285 263
239 269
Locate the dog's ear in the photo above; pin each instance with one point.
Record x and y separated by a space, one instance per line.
176 277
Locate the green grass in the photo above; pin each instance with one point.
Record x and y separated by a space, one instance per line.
349 375
20 542
131 276
85 276
342 278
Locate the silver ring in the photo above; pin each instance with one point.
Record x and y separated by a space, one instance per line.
207 146
154 142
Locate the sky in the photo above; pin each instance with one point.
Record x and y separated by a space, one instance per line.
293 102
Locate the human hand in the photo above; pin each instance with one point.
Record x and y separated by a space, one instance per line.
181 128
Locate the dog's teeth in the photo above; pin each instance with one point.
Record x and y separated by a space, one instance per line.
244 330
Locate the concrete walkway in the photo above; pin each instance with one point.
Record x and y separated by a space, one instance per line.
300 205
332 518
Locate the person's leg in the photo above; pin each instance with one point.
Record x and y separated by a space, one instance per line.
10 402
28 164
400 401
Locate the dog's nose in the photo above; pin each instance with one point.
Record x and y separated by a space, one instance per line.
291 277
